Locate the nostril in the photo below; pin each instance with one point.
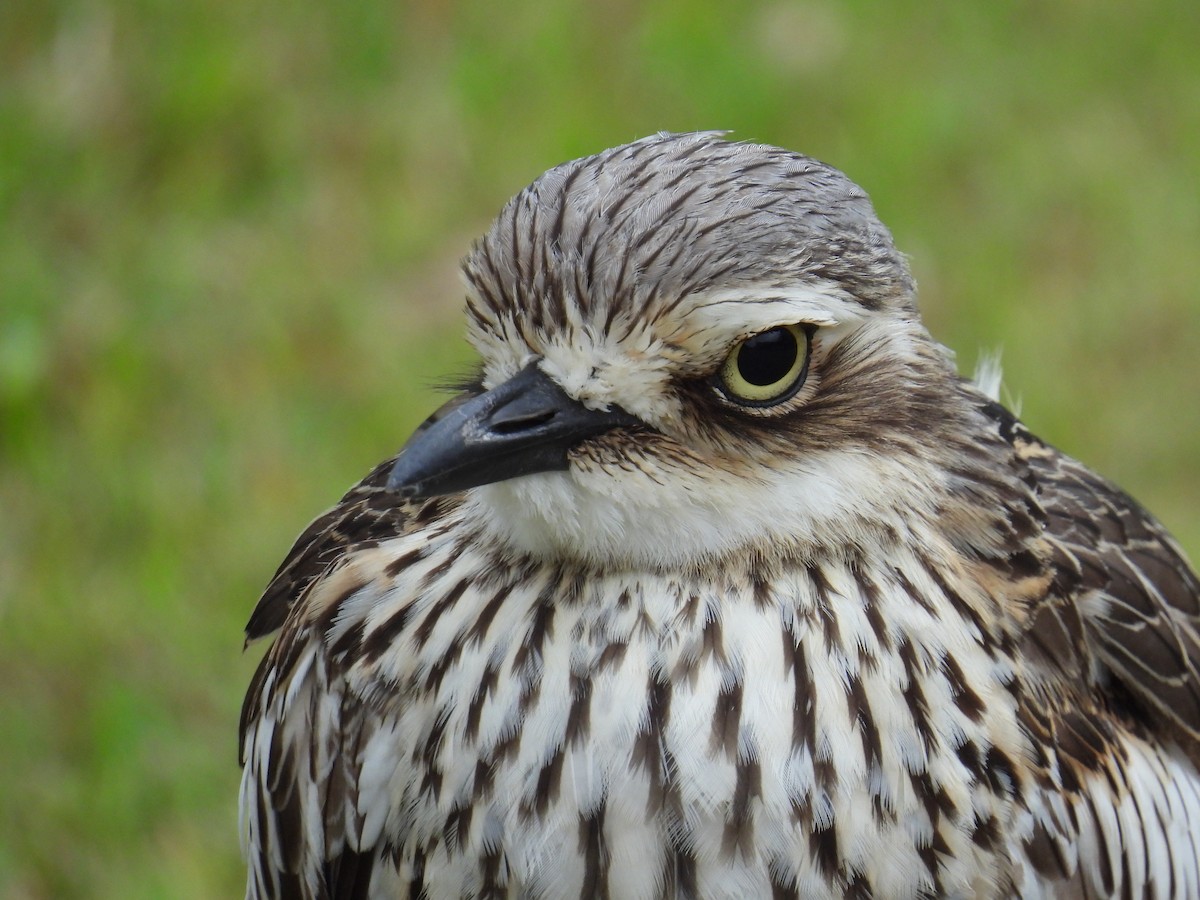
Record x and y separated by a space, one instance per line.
512 418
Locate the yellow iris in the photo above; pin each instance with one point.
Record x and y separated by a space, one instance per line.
767 367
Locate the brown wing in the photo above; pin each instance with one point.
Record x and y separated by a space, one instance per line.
365 515
314 793
1137 596
304 735
303 751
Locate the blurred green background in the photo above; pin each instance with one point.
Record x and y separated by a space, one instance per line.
228 279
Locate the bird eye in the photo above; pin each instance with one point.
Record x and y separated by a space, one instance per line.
766 368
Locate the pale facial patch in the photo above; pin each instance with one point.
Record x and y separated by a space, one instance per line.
635 517
668 502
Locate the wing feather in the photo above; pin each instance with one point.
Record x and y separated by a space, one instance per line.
366 514
308 830
306 824
1136 593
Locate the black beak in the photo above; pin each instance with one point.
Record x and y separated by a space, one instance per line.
523 426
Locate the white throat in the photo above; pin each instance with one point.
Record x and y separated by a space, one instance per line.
629 518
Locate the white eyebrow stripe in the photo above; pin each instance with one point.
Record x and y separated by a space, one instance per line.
770 305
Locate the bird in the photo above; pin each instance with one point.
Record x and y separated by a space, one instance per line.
718 580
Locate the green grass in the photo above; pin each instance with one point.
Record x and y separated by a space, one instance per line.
227 281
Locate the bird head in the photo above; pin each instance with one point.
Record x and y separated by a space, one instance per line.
690 347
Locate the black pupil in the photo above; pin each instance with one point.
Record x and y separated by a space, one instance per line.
767 357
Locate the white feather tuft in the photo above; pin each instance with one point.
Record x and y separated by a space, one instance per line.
989 375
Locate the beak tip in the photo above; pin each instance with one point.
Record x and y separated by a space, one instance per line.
407 491
398 483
